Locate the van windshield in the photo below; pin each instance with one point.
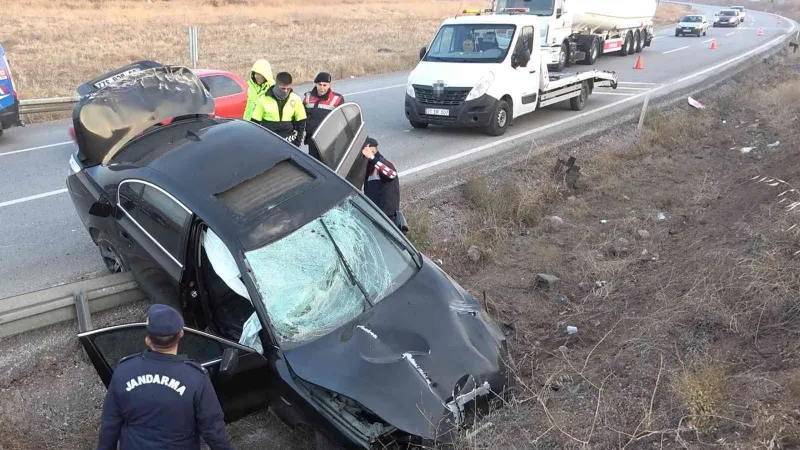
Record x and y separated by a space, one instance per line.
537 7
330 271
471 43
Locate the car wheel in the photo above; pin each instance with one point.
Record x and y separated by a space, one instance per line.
322 443
500 119
111 256
579 102
418 125
677 34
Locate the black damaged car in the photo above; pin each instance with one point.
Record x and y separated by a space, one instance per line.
299 294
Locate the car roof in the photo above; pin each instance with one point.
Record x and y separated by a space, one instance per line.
247 183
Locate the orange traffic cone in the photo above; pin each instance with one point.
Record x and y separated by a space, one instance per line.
639 64
760 31
713 44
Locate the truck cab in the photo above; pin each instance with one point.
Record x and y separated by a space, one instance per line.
555 26
485 69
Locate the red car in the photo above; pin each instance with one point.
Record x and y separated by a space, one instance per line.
229 92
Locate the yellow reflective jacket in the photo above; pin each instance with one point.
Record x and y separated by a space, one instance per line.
254 91
286 118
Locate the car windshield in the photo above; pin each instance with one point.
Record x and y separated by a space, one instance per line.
728 13
330 271
692 19
537 7
471 43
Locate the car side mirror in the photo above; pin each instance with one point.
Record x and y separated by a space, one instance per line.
422 52
101 208
514 61
524 58
230 362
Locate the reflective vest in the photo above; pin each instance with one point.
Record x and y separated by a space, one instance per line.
254 91
269 113
317 108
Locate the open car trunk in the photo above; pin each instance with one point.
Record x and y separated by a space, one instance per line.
123 103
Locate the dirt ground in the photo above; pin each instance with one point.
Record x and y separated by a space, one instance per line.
54 46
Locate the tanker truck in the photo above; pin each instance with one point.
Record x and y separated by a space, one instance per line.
575 31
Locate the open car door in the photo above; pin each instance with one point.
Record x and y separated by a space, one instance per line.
340 138
119 105
242 391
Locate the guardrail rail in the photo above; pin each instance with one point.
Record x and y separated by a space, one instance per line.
45 105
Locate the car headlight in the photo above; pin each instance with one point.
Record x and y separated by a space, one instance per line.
410 90
482 86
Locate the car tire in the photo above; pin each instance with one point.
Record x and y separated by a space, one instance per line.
112 258
677 34
418 125
500 119
323 443
579 102
638 42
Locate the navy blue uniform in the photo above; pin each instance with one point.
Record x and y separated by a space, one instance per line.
382 186
159 401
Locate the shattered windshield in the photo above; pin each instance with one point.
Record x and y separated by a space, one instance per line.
330 271
537 7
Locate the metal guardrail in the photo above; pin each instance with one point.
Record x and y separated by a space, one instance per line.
45 307
44 105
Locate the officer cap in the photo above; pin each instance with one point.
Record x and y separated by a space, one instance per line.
323 77
371 142
163 320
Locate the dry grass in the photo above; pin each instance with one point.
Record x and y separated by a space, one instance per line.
56 45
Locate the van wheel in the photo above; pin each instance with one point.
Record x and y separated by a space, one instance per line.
500 119
418 125
579 102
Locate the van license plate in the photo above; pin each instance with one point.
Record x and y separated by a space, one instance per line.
437 112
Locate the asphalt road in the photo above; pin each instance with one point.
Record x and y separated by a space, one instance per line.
43 243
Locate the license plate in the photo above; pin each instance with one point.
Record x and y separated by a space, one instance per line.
437 112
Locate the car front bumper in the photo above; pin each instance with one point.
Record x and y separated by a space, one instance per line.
684 30
726 24
471 113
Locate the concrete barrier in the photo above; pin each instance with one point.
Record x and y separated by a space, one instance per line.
39 309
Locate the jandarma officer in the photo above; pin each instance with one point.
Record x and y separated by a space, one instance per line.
158 399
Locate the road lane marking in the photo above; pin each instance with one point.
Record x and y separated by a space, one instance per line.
523 134
709 40
376 89
638 83
632 88
677 49
730 34
36 148
32 197
613 93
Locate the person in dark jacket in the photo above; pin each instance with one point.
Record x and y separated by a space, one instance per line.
281 110
381 185
319 102
158 399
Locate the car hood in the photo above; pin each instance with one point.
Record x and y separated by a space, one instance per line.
463 75
121 104
411 355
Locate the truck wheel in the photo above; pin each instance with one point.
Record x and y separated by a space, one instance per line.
418 125
625 45
500 119
562 58
594 51
637 42
579 102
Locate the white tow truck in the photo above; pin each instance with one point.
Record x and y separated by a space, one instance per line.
583 30
485 68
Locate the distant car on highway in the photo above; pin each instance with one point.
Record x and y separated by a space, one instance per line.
298 293
695 24
9 102
741 10
727 18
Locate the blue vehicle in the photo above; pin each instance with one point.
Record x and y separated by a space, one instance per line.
9 103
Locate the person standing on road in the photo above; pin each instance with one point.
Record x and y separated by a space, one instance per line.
381 184
281 111
158 399
259 82
319 102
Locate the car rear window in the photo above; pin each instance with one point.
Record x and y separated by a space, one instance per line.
221 85
252 194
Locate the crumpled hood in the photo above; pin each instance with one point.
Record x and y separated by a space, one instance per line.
463 75
407 357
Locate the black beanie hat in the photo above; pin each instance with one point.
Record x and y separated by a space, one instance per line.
323 77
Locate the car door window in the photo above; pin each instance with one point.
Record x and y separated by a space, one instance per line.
526 39
339 139
164 219
221 86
